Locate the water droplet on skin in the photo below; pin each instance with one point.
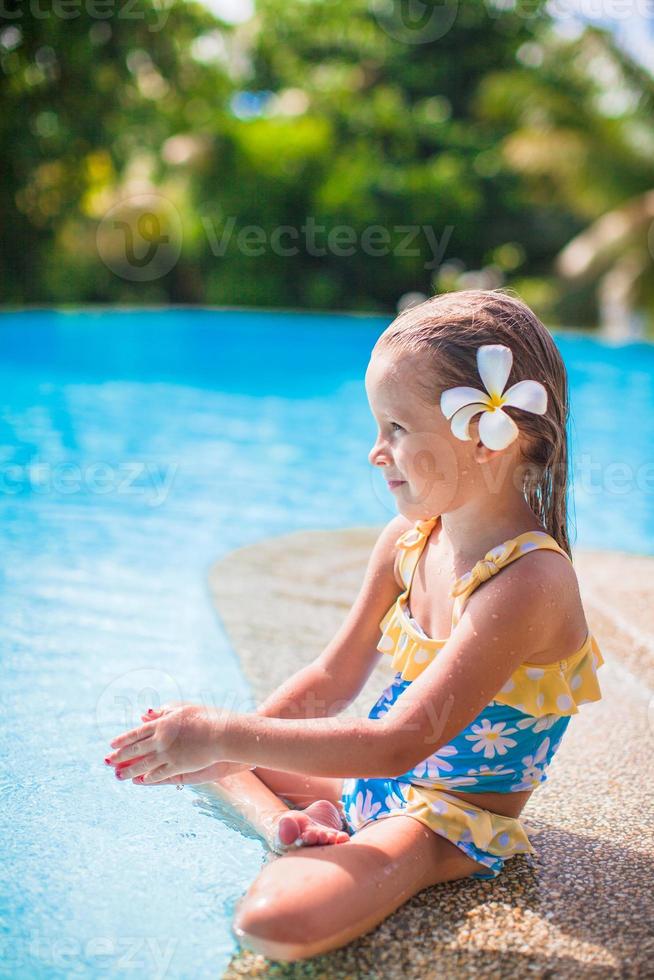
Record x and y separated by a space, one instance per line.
495 616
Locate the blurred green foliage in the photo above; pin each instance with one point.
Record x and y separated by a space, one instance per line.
323 154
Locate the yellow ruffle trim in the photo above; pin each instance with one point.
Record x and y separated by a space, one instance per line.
461 821
537 689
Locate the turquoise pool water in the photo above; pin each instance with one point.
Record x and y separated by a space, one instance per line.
135 449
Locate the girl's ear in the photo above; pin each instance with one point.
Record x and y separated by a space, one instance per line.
482 453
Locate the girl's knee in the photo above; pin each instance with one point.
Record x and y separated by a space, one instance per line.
273 923
293 904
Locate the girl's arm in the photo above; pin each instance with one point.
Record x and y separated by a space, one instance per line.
505 623
317 746
191 738
509 620
333 680
308 693
325 686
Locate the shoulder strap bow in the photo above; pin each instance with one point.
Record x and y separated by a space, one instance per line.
488 566
416 534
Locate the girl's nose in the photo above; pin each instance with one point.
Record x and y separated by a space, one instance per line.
378 455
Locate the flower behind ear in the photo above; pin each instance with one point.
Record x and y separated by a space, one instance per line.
497 430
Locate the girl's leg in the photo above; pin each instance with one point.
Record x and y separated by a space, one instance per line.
246 793
354 887
252 799
301 790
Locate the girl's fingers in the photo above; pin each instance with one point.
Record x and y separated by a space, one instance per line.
132 752
132 769
136 735
130 762
121 765
170 780
157 775
153 713
163 709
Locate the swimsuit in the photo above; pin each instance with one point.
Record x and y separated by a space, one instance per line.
506 748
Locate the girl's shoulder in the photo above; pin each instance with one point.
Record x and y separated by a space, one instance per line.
564 623
534 554
542 558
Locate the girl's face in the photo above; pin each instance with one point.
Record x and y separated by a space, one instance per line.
428 470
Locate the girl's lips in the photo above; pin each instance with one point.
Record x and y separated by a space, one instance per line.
395 483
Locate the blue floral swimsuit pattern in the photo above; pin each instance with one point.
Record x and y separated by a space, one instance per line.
505 749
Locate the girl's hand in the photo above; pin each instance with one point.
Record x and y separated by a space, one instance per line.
212 773
180 740
217 771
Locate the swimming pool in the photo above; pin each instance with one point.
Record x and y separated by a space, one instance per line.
135 449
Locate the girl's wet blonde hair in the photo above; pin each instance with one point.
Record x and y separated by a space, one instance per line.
446 332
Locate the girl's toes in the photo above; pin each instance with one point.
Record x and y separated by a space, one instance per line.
287 830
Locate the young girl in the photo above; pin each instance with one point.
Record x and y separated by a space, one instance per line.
464 732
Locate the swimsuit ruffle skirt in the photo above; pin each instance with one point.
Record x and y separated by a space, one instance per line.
506 748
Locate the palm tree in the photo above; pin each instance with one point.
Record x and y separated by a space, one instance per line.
579 131
617 250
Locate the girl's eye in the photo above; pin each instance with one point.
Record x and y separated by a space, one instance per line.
396 426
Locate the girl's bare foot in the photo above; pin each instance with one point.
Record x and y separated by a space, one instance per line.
319 823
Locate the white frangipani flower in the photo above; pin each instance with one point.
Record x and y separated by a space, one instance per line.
497 430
